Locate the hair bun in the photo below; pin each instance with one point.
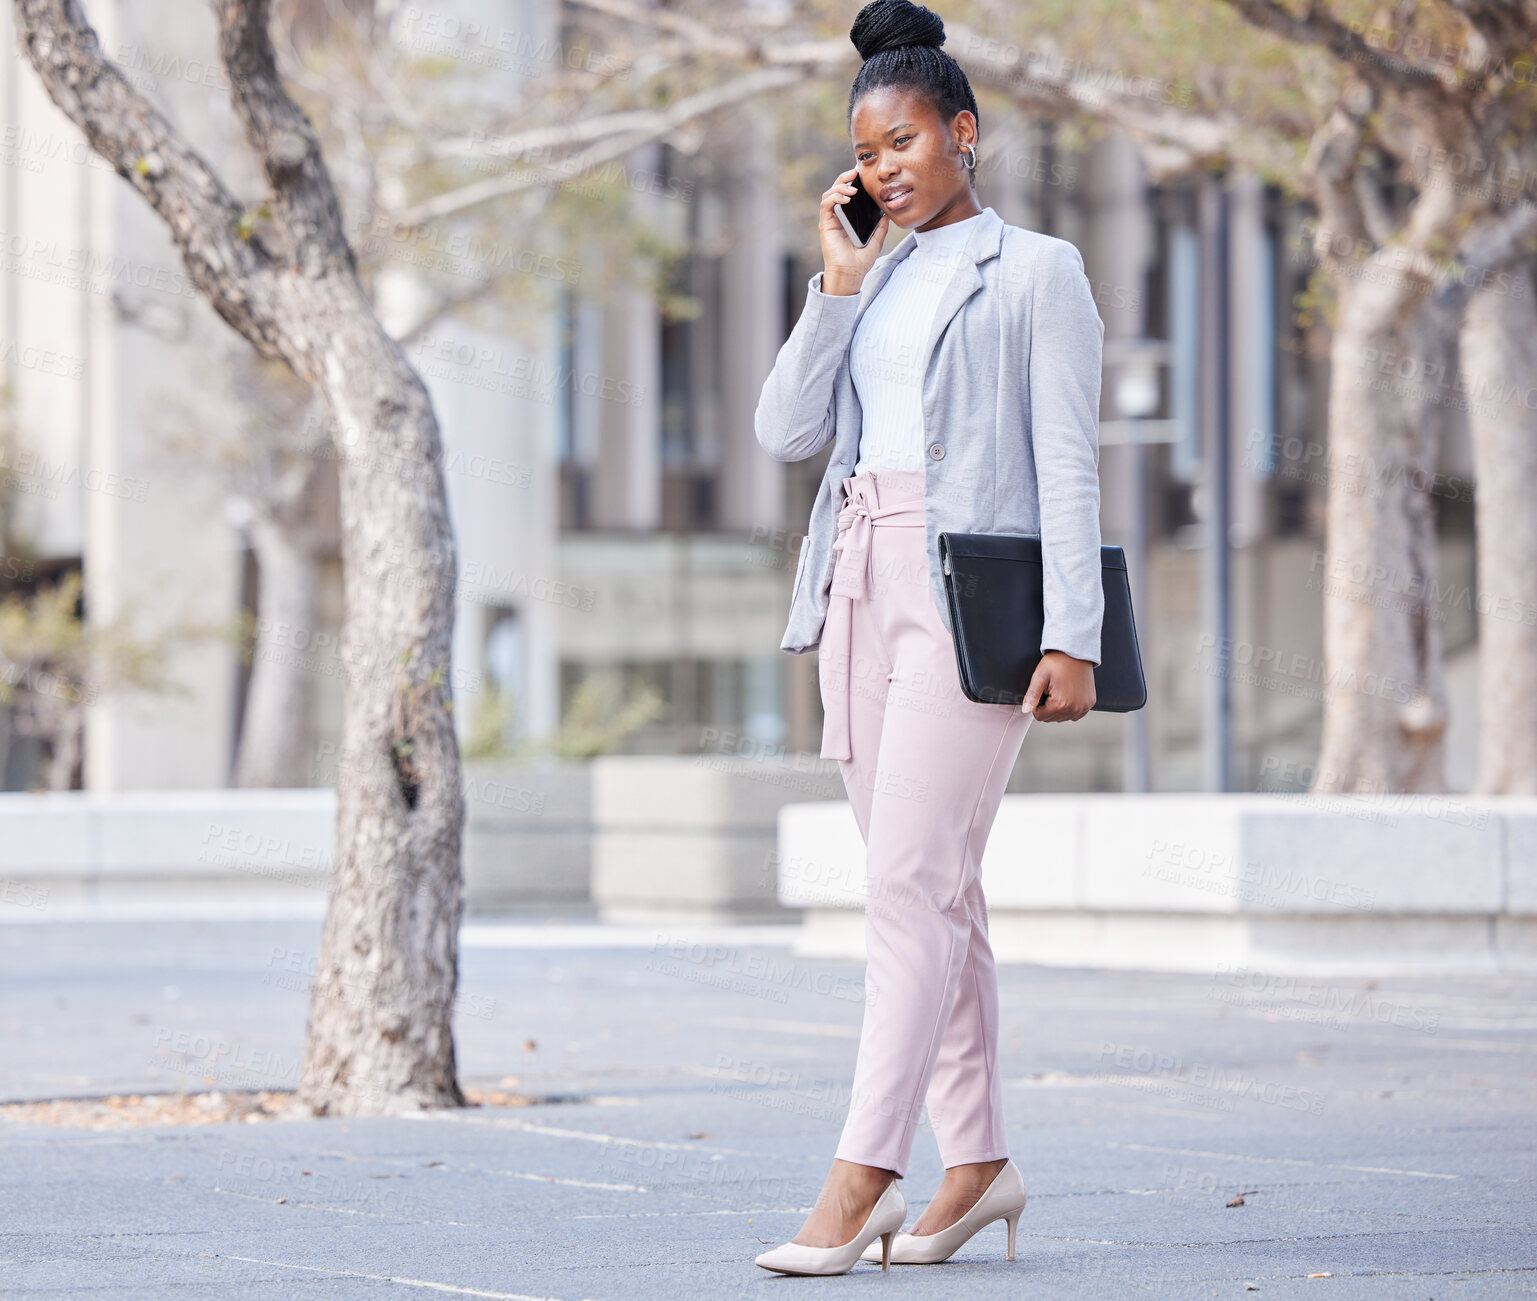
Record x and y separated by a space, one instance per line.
887 24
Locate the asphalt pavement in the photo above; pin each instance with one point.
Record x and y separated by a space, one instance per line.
688 1092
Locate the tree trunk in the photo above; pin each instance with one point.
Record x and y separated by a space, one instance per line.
274 736
1499 361
284 276
65 750
382 999
1385 702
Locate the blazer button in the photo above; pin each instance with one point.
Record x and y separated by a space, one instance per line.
936 451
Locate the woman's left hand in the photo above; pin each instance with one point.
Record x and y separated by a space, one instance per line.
1067 684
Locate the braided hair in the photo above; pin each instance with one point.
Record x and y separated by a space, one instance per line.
899 42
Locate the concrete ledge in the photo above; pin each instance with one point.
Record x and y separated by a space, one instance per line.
527 835
1183 882
222 853
166 853
692 838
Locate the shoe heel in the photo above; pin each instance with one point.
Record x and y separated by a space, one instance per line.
886 1249
1013 1221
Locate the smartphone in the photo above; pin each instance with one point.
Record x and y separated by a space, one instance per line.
860 215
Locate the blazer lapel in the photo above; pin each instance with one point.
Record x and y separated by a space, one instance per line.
983 243
880 272
965 281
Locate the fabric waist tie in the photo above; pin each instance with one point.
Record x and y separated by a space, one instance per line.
861 512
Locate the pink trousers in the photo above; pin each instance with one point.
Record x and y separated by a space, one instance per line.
925 770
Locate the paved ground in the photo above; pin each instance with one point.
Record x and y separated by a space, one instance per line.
1382 1137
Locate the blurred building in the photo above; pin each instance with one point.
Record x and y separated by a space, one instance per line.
616 519
676 519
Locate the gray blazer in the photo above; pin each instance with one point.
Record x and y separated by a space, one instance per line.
1010 412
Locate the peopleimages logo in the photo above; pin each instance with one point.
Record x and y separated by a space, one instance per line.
33 466
46 361
1357 1005
499 46
48 259
484 256
473 359
1209 1075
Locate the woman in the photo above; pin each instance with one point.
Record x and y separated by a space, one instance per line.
957 378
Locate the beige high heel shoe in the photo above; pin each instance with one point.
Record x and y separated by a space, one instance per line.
1003 1200
884 1220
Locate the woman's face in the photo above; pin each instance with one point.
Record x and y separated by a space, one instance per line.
909 158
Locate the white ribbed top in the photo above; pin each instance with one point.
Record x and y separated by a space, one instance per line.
886 355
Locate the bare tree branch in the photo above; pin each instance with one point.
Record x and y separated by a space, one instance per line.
1317 27
228 262
1490 246
284 141
1329 169
1173 139
645 126
698 36
1376 214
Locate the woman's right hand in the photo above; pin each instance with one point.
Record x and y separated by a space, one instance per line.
846 265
